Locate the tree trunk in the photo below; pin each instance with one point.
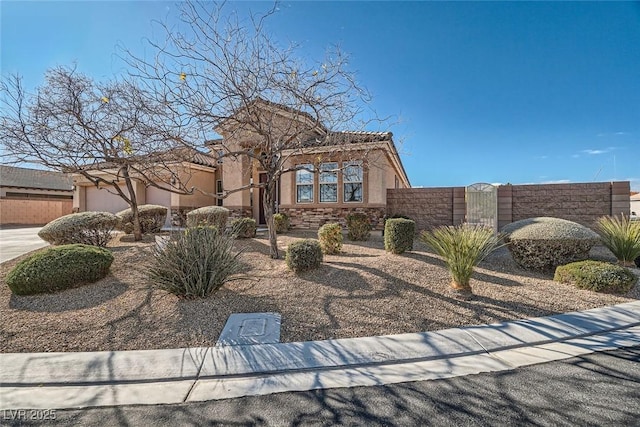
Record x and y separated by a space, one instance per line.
133 204
269 204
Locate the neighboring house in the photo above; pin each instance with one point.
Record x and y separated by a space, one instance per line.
198 173
635 204
338 172
33 197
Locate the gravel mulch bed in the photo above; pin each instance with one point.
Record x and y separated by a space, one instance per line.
362 292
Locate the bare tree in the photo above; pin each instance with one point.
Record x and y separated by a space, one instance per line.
110 133
227 76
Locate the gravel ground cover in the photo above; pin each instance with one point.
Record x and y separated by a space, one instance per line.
362 292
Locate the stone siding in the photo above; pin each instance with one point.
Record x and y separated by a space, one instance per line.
314 218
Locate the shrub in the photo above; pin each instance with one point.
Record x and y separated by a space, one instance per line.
398 235
215 216
282 222
596 276
388 217
304 255
621 236
544 243
358 226
58 268
195 264
89 228
152 218
462 247
330 237
244 227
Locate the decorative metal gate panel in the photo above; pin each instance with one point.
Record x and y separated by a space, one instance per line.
482 205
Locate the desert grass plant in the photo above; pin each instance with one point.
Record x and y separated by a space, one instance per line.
462 247
621 236
196 263
330 237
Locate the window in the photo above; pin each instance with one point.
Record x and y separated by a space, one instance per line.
352 178
304 183
328 182
219 191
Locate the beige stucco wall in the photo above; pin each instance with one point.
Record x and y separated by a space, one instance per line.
204 184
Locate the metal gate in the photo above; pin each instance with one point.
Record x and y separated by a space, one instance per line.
482 205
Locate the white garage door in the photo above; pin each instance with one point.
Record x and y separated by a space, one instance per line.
100 200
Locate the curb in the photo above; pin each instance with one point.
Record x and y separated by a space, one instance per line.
90 379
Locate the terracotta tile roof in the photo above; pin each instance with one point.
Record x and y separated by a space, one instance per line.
11 176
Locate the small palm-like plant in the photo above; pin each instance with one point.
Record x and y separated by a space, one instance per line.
462 248
622 236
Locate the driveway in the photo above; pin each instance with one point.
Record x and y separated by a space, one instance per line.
17 241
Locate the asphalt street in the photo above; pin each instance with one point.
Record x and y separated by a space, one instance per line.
600 389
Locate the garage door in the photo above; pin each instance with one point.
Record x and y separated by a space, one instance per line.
101 200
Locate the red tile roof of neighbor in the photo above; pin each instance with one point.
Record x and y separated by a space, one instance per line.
11 176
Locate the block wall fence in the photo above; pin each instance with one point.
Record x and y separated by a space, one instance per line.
581 202
32 212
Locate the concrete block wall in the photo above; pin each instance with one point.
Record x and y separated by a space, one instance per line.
32 212
580 202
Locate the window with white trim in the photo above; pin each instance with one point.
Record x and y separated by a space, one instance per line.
328 182
352 181
304 183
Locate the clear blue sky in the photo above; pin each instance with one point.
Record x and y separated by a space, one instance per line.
483 92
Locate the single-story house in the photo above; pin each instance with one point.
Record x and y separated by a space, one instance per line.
332 174
32 196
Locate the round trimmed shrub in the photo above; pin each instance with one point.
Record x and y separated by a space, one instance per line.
244 228
88 228
544 243
596 276
330 237
304 255
358 226
398 235
215 216
282 222
152 218
58 268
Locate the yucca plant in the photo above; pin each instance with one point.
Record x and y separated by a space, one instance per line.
621 236
462 248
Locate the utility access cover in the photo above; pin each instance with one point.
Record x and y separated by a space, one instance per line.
251 328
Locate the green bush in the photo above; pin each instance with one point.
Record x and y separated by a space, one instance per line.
596 276
58 268
462 247
195 264
621 236
244 227
330 237
215 216
282 222
544 243
88 228
388 217
304 255
398 235
358 226
152 218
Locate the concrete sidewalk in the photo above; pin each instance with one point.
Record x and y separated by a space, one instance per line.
76 380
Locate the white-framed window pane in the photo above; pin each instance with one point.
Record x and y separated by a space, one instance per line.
328 173
305 193
353 192
328 192
304 176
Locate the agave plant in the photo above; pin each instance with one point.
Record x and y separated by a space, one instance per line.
462 248
622 236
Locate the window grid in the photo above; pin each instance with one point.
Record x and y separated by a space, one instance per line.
304 183
328 183
352 182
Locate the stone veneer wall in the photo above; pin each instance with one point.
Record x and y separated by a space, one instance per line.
580 202
314 218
